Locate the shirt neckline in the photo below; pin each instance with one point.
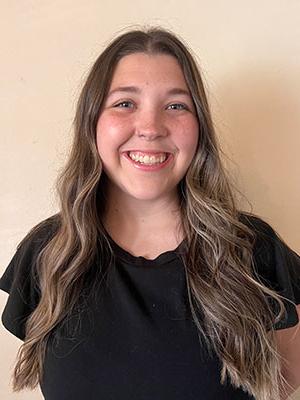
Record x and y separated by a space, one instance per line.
162 259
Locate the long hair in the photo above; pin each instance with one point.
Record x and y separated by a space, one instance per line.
218 256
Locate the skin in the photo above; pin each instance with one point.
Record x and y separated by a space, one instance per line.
143 208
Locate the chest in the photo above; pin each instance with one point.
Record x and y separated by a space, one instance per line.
133 343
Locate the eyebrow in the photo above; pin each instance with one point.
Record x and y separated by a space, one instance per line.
135 89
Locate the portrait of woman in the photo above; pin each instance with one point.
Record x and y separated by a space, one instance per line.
149 282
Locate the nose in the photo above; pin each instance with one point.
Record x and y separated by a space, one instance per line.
150 125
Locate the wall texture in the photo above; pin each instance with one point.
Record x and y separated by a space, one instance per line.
250 58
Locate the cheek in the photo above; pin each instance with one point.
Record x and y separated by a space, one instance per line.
111 133
188 136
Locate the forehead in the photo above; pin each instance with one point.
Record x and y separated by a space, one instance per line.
142 68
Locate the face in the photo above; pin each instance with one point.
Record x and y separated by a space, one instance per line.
147 132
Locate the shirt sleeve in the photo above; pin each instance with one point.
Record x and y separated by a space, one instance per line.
20 281
277 266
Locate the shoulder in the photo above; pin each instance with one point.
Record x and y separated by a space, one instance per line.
40 233
276 265
265 242
20 278
268 242
21 268
263 230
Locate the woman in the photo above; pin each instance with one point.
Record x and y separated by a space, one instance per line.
148 282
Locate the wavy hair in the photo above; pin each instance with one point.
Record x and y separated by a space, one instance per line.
218 257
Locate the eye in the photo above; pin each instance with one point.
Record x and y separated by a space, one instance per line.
124 104
178 106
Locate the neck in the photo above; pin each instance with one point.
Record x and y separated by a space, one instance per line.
125 215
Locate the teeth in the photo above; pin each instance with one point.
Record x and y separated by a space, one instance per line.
148 159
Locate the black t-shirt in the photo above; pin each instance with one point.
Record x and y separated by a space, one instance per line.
134 338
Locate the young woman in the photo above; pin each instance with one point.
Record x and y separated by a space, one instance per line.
149 283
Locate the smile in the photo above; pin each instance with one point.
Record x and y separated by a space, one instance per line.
148 159
148 162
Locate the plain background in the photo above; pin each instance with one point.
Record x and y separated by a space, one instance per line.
249 54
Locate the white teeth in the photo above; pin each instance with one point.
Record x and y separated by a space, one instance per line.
148 159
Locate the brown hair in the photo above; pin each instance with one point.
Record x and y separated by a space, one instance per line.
219 250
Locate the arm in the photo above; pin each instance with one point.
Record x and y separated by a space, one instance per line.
288 343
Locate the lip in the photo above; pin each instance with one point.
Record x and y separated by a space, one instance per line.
152 152
145 167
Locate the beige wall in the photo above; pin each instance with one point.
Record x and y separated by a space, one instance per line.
250 56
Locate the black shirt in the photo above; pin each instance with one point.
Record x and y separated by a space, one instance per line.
135 338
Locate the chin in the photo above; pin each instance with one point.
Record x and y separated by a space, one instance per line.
144 196
149 194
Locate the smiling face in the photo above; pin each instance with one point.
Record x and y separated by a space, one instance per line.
147 132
